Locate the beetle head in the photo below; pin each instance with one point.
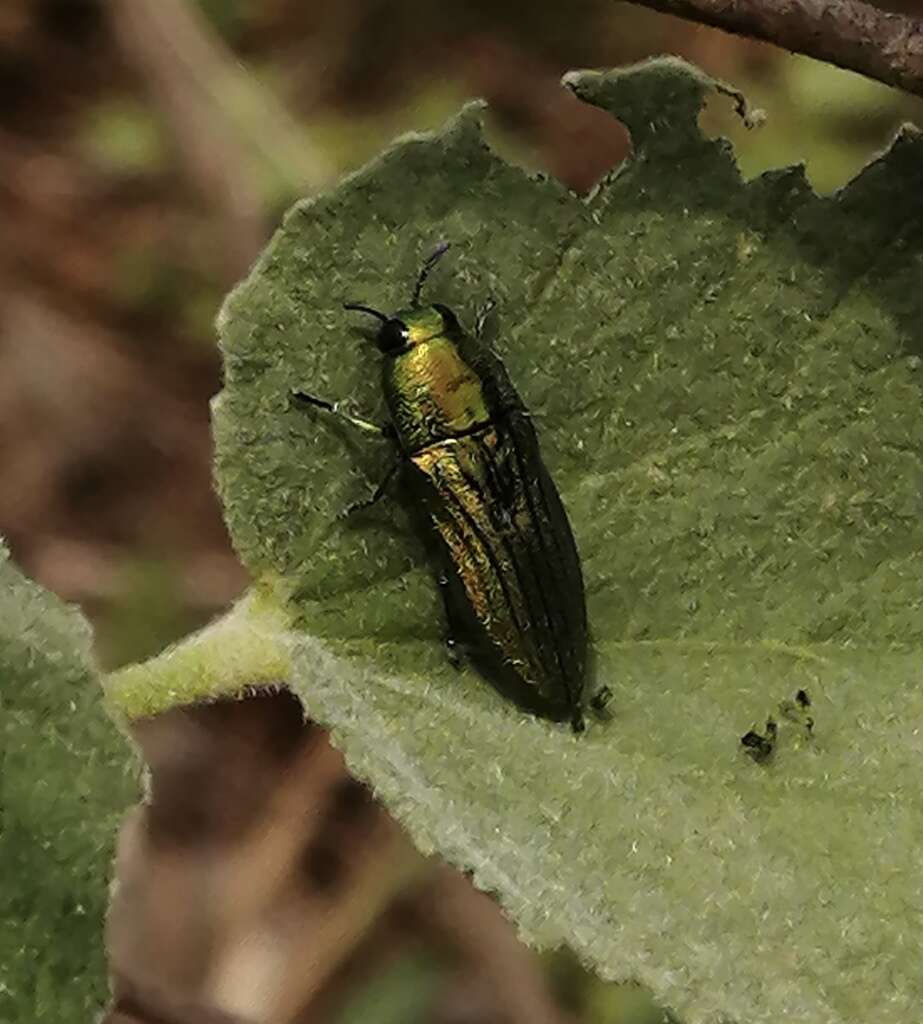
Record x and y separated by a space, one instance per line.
408 327
393 335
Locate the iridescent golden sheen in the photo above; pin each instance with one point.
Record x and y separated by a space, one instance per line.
501 525
501 520
483 550
424 324
432 392
436 394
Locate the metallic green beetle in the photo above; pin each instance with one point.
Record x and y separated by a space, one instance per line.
511 575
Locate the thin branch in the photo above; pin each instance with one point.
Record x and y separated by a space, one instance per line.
847 33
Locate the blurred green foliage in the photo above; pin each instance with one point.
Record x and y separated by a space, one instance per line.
151 613
230 18
590 1000
401 991
170 286
122 136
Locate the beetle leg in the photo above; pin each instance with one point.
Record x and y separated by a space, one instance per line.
380 429
452 652
453 649
599 702
483 315
377 494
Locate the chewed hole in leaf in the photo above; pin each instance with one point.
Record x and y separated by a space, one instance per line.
831 120
578 144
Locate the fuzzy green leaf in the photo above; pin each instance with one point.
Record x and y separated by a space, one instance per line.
726 381
65 779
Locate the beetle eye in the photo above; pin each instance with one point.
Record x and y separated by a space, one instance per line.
392 336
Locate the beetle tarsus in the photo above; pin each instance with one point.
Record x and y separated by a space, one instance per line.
368 426
482 315
452 652
303 399
599 702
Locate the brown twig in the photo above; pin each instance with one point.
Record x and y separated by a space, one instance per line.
847 33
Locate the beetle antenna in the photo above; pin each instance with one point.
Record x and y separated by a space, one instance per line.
434 257
366 309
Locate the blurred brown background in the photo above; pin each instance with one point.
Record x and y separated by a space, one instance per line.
147 148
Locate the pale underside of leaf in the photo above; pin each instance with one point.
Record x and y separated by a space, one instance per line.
726 383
